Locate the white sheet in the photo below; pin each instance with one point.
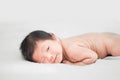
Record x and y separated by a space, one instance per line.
13 67
23 70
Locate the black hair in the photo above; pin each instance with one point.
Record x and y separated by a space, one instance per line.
29 43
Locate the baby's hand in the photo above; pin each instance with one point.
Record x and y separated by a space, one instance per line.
77 63
67 62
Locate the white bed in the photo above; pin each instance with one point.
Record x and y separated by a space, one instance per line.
14 67
22 70
65 18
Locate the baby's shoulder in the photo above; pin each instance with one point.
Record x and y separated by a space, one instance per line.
73 52
69 49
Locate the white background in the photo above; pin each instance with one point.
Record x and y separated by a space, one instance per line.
63 17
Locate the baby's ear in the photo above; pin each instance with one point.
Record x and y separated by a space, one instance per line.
53 36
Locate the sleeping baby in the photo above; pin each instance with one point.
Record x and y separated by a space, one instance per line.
43 47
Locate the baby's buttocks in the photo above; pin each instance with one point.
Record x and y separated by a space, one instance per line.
114 46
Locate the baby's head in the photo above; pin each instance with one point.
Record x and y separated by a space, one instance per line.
42 47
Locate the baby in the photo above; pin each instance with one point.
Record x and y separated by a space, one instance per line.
43 47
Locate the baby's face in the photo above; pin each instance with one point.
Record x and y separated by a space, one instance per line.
48 51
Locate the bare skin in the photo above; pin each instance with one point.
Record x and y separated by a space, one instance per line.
79 50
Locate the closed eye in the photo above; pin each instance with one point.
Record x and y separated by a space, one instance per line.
48 48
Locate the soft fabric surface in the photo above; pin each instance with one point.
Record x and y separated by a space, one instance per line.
14 67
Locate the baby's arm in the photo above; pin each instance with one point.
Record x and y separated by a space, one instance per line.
76 63
81 56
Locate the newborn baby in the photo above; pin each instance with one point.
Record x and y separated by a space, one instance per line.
43 47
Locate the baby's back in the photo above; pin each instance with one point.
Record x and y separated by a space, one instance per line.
102 43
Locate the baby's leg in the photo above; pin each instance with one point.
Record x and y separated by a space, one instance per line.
115 50
113 43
